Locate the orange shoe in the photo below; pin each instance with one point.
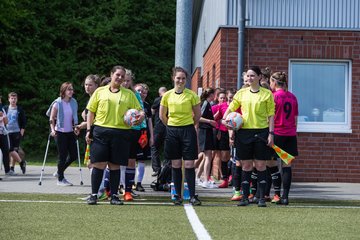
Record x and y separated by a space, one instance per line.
128 197
276 199
224 184
237 196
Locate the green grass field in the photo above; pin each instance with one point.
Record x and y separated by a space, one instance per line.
40 216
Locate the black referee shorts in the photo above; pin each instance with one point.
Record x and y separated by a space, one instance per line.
181 143
249 147
110 145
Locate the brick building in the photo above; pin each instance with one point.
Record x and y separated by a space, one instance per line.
318 44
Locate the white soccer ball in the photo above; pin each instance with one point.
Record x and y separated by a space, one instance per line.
130 117
234 120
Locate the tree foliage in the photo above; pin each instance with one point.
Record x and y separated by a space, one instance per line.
44 43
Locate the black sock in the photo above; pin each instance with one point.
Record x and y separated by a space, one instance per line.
114 181
190 179
254 180
12 168
262 183
287 175
268 182
96 178
224 170
129 178
276 179
237 178
177 179
245 183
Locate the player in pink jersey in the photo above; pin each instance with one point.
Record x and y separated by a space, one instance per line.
222 137
285 123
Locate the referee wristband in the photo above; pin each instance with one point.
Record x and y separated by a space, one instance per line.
272 133
88 130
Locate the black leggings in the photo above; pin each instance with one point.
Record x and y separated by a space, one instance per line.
4 146
66 144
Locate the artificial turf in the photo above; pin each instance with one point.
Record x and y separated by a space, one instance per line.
68 217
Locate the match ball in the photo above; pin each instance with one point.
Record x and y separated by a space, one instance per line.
130 117
234 120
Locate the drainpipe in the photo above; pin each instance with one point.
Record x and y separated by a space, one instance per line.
241 41
183 36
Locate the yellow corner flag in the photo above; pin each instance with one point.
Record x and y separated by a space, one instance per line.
87 154
286 157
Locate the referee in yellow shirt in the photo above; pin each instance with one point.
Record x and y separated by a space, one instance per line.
258 109
180 111
107 132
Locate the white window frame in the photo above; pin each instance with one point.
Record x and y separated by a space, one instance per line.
327 127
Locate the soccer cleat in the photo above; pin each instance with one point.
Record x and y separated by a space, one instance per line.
251 198
134 195
224 184
237 196
177 200
243 202
23 166
92 200
128 197
11 173
195 201
64 183
115 200
284 201
276 199
139 188
262 203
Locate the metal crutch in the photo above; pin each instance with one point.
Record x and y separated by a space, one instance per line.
78 152
46 152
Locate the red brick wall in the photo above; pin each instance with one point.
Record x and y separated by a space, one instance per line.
196 79
223 54
325 157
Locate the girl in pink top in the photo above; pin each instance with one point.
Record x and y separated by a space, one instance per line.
285 123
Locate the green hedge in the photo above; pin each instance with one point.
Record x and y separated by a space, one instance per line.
44 43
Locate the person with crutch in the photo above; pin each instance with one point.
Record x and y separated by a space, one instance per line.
63 117
108 134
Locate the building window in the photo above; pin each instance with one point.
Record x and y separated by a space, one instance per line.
323 90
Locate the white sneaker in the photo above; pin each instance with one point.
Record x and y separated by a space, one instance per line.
55 174
213 185
198 181
205 184
209 185
64 183
11 173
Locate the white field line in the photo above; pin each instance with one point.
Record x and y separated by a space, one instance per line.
137 202
198 228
